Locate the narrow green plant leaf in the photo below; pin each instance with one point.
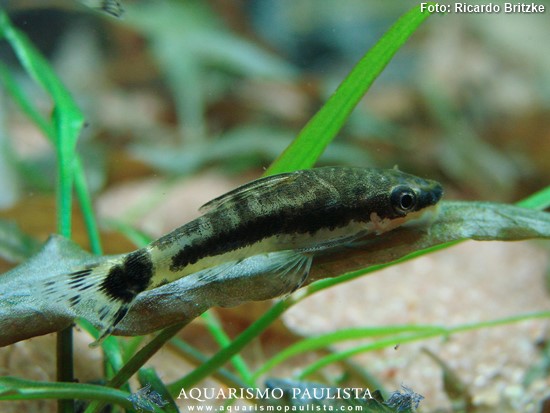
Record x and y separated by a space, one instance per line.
322 128
67 119
223 340
326 340
68 113
25 103
222 356
110 347
392 334
85 201
13 388
66 123
197 358
132 346
15 245
136 362
438 331
539 200
136 236
62 130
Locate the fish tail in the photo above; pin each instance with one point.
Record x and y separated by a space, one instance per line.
102 293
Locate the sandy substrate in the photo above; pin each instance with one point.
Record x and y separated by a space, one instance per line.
469 283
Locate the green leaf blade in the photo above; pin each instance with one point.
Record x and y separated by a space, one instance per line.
13 388
304 151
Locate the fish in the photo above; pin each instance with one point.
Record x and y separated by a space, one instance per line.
111 7
293 217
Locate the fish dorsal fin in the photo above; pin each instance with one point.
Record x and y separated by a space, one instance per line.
245 191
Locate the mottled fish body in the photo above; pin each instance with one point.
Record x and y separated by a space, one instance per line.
298 214
304 210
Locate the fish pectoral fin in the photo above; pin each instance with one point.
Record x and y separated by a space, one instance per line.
291 268
216 273
83 292
344 241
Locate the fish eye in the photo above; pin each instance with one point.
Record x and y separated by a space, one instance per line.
403 199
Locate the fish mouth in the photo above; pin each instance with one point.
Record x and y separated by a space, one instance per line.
436 193
430 195
428 205
424 217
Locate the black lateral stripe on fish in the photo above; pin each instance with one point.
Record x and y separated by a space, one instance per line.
294 215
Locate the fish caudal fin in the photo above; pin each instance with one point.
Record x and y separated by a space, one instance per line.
88 293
